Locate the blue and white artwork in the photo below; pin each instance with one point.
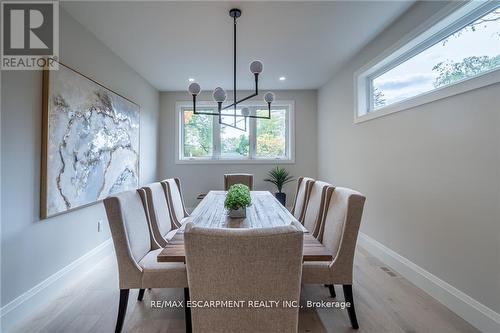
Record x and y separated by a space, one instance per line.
92 142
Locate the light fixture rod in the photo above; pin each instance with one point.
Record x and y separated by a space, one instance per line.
234 69
256 93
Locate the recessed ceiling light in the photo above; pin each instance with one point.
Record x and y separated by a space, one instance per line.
282 78
191 79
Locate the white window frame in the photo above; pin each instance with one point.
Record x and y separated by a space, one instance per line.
447 21
216 158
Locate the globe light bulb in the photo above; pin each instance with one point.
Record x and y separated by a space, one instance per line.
194 89
245 111
219 95
269 97
256 67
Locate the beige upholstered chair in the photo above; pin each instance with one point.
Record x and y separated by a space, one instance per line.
136 251
244 265
159 216
338 232
238 178
176 207
314 207
301 196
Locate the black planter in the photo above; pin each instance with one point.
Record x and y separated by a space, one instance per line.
281 198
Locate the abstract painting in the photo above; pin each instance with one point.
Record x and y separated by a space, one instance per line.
90 143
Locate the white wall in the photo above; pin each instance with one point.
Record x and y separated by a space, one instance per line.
203 178
430 174
33 250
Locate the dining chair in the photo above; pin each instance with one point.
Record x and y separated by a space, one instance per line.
315 206
339 233
136 251
301 196
175 200
162 227
231 179
244 265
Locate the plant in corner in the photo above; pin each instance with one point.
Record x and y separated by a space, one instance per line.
279 176
237 200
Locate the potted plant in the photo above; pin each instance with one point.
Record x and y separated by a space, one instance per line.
237 200
279 176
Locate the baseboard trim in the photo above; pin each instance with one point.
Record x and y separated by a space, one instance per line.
476 313
12 313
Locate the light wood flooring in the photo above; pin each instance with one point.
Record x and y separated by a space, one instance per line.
385 302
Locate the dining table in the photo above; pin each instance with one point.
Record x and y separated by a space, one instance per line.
264 212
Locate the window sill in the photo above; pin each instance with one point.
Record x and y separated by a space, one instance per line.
242 161
486 79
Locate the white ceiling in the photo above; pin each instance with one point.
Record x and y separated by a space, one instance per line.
169 42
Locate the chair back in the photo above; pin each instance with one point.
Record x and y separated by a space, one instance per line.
159 215
131 236
314 208
231 179
244 265
340 227
176 207
301 197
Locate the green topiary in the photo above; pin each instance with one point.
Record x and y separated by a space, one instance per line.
238 197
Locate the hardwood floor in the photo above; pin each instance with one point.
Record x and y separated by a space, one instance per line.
385 302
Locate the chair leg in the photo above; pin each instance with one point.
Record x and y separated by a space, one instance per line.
141 295
332 290
187 311
122 309
350 310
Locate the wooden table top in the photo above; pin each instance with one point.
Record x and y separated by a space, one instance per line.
265 211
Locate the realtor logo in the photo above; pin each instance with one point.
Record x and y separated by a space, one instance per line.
30 38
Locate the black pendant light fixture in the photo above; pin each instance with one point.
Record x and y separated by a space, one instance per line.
219 95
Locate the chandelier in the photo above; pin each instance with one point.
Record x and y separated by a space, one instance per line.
219 95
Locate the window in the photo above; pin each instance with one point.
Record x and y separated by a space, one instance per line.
197 135
464 45
201 139
271 134
234 143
